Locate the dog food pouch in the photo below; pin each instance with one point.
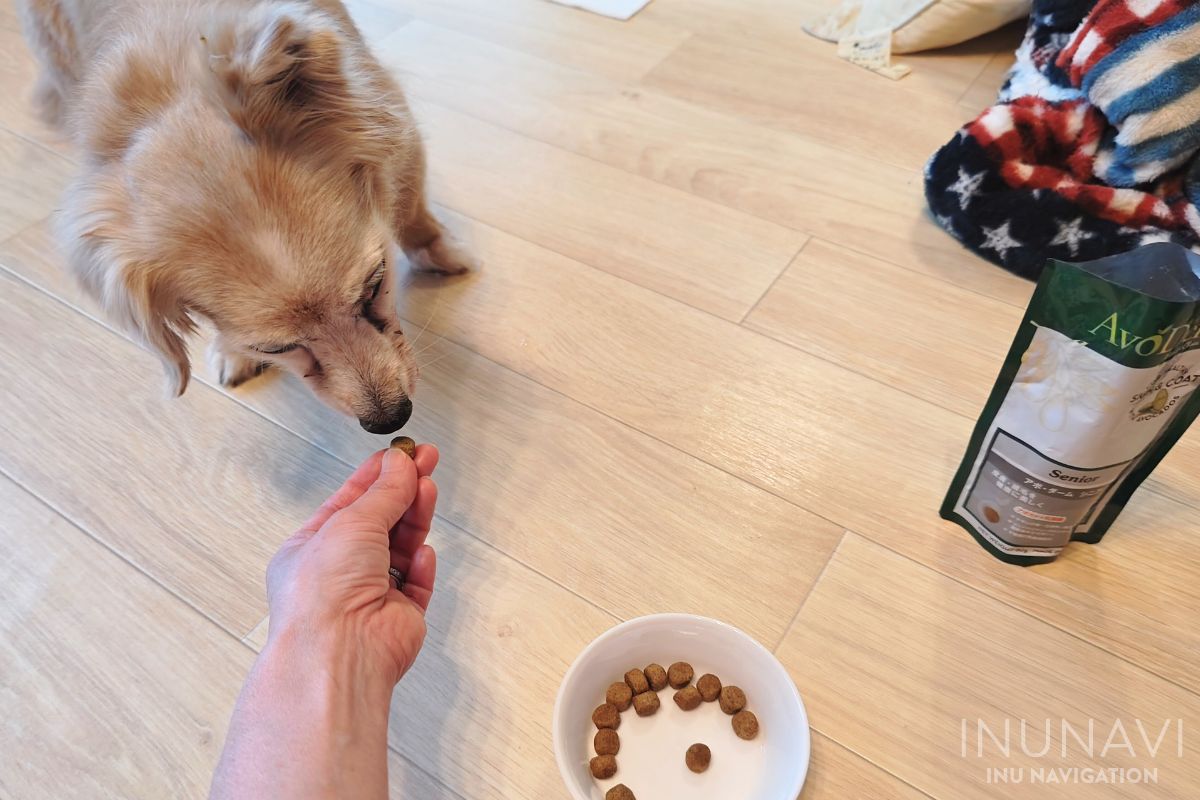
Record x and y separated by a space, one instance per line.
1097 387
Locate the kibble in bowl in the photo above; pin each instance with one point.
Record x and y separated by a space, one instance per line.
646 703
619 792
680 674
606 742
657 676
637 681
745 725
698 757
606 715
652 749
709 687
688 698
620 695
603 767
732 699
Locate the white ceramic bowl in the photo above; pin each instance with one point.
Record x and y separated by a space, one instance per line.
651 760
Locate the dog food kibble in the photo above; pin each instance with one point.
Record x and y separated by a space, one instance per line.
607 742
637 681
603 767
657 676
745 725
698 757
607 716
688 698
733 699
620 695
619 792
406 444
680 675
645 704
709 686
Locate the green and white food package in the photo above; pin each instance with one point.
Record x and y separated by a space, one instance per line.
1097 387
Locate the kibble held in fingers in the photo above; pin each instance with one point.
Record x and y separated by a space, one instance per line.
406 444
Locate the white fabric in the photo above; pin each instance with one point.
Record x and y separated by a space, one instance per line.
620 9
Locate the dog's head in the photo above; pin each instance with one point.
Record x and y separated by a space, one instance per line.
257 191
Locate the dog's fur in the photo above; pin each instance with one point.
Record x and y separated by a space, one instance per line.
247 162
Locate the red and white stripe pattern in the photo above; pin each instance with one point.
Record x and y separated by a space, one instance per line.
1111 22
1038 144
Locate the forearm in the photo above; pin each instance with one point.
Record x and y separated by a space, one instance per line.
311 722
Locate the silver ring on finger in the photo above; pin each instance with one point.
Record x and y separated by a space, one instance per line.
397 578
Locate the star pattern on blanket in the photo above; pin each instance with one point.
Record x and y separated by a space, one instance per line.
999 240
967 186
1071 233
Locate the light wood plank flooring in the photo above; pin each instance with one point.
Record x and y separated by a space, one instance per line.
714 328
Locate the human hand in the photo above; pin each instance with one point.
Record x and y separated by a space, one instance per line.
328 587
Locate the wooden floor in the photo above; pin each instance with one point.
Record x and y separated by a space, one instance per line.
714 330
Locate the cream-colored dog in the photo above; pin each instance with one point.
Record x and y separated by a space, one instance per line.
249 163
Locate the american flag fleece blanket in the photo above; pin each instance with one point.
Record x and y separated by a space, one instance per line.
1091 148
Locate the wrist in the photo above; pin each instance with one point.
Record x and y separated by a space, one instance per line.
311 703
334 658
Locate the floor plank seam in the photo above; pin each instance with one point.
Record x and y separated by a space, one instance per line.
986 296
811 588
115 552
1027 613
637 80
245 639
413 765
775 281
877 766
971 86
40 145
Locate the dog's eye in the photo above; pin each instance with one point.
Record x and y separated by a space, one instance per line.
275 350
375 284
373 293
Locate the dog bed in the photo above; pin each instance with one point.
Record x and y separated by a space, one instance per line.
1092 146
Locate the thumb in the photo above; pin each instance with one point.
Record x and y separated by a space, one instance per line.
386 500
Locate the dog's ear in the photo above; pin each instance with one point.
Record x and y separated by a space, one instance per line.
142 298
284 72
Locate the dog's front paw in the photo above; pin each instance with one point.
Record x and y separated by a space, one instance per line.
443 256
234 370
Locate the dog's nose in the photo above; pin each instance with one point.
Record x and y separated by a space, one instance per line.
390 420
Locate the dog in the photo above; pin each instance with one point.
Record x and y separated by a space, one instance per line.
249 164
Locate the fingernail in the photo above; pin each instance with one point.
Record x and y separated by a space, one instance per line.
406 444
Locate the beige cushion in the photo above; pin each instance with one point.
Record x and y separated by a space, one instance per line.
919 24
950 22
